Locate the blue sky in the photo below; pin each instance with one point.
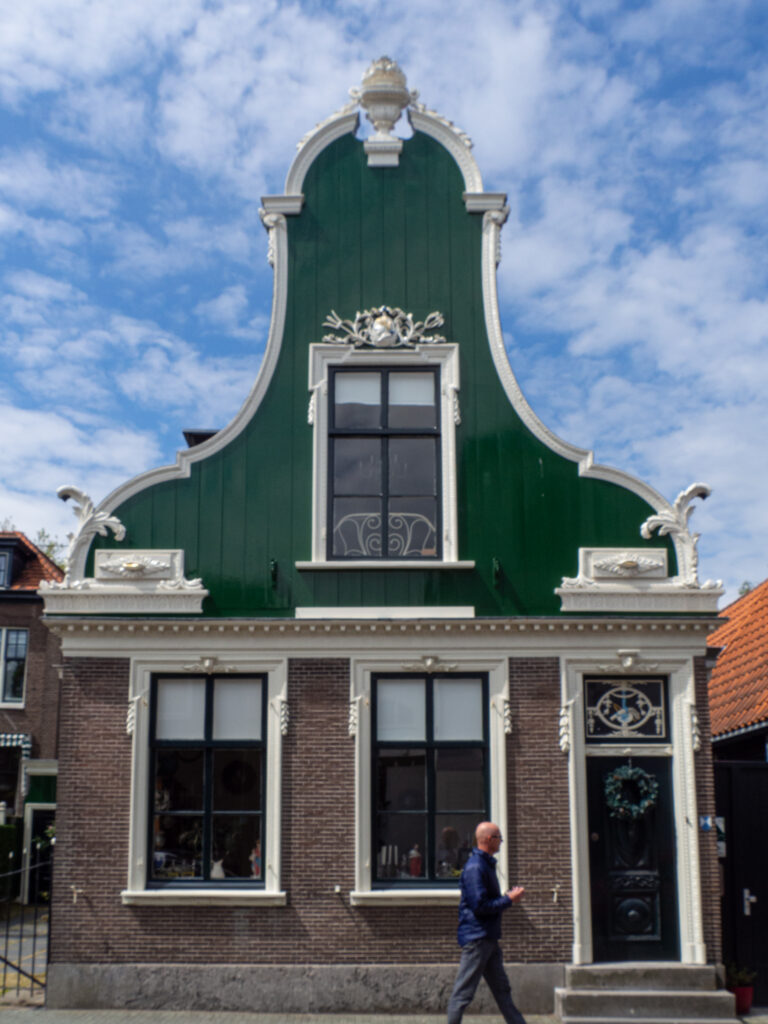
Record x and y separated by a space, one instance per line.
632 138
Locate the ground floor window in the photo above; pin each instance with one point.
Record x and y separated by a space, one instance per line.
430 774
207 779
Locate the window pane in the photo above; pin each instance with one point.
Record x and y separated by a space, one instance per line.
15 661
177 847
4 564
179 780
400 845
180 709
357 527
401 780
236 846
412 400
237 780
237 709
459 779
412 465
358 400
357 465
453 841
458 709
412 525
400 709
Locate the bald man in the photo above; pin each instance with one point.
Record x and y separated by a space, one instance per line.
480 910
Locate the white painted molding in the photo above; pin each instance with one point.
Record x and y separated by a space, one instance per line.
142 581
673 522
184 459
621 579
678 668
202 898
452 139
383 661
386 563
341 123
389 612
325 355
170 658
584 457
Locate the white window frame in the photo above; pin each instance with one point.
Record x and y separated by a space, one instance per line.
362 672
325 356
270 892
17 704
5 568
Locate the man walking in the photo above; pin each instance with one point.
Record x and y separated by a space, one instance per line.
480 913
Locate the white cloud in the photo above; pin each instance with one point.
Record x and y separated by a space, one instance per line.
34 182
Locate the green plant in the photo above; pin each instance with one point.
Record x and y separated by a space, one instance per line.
738 976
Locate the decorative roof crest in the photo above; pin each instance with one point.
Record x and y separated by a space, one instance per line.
384 94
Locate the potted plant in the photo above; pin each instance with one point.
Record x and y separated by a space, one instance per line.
740 981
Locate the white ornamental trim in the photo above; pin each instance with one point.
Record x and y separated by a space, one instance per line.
383 327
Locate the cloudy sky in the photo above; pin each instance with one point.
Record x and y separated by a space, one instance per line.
632 138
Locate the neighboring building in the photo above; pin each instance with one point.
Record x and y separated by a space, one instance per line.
738 684
30 657
738 700
382 604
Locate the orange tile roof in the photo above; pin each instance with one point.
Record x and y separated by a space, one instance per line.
738 687
37 565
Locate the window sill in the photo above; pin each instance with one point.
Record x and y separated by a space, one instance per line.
369 563
11 705
405 898
202 898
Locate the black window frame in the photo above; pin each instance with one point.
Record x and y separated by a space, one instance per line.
385 432
209 745
430 745
637 680
4 660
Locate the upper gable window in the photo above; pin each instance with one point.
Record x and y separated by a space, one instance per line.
384 480
384 463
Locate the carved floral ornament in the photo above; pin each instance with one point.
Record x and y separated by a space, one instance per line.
383 327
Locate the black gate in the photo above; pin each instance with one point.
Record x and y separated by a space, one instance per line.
741 798
632 864
24 919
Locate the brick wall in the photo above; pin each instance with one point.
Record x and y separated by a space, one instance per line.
318 925
539 844
705 798
41 690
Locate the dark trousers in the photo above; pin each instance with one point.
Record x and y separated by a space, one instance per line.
482 959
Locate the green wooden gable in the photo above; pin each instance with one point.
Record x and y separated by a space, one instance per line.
366 236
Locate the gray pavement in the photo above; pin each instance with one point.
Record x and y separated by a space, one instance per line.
40 1015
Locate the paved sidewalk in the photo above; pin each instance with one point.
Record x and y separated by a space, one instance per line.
39 1015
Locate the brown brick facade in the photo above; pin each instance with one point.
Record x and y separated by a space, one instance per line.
705 799
538 830
318 925
38 717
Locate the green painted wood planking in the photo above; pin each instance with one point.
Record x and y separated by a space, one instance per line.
368 236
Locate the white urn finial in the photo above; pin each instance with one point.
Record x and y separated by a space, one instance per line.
384 95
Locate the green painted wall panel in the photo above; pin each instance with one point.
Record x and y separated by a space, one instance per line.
368 236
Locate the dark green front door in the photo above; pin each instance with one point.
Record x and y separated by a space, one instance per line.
632 863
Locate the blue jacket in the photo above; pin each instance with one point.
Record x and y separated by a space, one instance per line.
481 899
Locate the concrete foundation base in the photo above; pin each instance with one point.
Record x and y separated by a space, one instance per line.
338 988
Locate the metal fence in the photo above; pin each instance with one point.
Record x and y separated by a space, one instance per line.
24 918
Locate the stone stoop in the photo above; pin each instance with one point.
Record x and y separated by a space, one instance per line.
644 994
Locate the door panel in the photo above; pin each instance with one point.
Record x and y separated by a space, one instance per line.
741 794
632 867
